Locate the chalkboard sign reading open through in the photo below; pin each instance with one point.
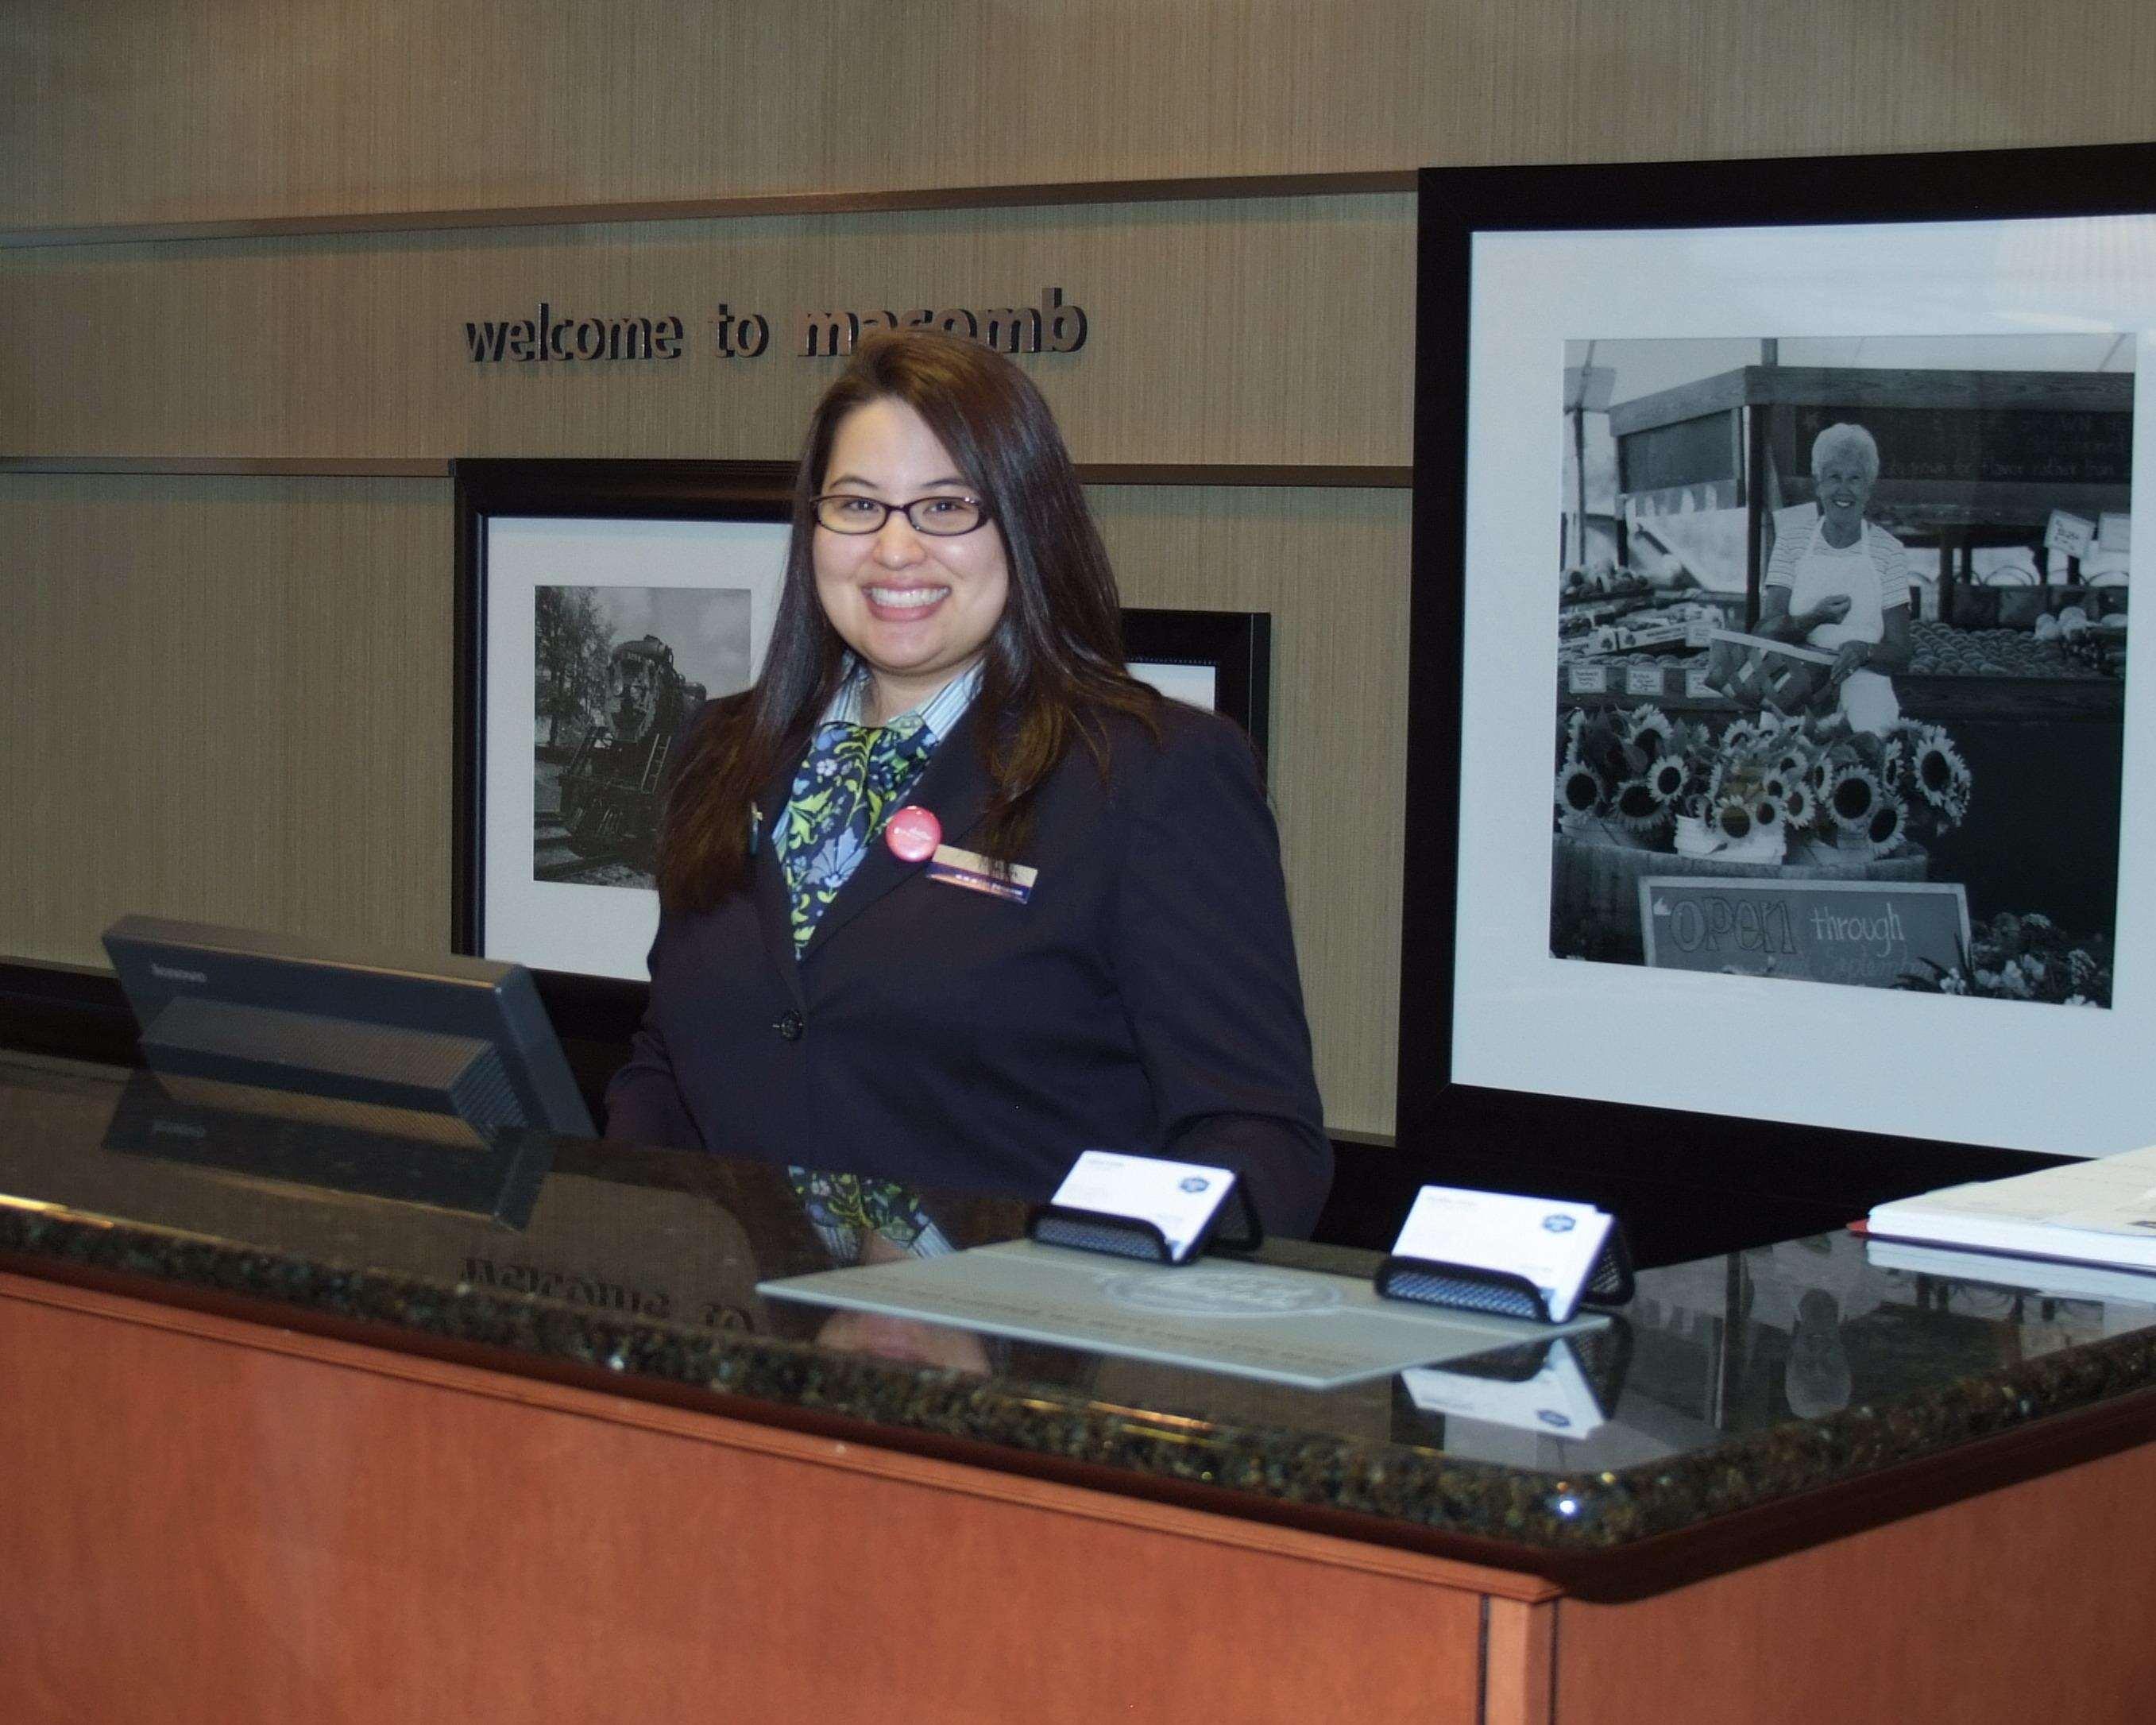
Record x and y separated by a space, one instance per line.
1866 933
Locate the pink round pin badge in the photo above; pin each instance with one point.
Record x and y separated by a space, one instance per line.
913 833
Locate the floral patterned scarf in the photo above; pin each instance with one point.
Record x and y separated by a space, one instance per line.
852 779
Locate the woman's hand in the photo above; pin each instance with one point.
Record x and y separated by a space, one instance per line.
1832 609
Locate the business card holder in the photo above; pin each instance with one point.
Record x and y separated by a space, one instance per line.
1134 1237
1602 1355
1470 1287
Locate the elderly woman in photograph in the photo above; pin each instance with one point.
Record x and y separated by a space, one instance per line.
1843 585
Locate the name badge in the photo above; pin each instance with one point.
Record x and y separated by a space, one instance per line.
976 873
1553 1244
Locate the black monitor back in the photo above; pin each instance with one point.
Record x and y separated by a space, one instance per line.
466 1037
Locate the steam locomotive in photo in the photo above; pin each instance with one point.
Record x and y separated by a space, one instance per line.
610 786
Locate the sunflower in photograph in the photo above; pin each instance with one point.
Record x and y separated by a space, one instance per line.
1666 777
1733 820
1569 735
1649 728
1578 791
1799 803
1852 797
1637 807
1889 822
1943 778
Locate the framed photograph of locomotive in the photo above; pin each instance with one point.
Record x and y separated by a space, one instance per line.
598 605
1772 768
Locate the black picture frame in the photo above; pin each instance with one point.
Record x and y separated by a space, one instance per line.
1570 1144
594 1015
607 490
1236 646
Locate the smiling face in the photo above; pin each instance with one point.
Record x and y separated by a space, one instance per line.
1844 471
916 608
1844 489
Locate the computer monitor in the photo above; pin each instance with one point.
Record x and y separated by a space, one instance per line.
465 1037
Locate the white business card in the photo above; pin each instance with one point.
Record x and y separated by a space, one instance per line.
1178 1198
1556 1399
1550 1242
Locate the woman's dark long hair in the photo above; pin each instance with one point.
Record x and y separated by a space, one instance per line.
1054 666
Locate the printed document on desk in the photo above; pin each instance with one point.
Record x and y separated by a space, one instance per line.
1252 1320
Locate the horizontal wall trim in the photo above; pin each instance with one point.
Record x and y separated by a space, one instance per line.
706 209
1134 473
231 466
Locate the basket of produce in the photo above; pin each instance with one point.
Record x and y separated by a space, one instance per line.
1760 671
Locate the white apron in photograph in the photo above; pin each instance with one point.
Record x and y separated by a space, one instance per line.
1824 573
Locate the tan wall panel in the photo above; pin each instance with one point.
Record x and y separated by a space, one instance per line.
1331 568
229 699
1250 331
172 110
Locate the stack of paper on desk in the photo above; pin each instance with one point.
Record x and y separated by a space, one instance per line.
2102 1211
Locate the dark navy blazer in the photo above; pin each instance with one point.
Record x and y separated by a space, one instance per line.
1145 999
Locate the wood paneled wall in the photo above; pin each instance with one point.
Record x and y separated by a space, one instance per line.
1260 331
228 697
186 109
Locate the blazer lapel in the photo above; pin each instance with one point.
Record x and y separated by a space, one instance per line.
954 788
768 883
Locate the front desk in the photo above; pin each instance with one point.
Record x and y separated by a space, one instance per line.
287 1429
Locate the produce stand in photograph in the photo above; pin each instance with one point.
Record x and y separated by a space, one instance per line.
2018 637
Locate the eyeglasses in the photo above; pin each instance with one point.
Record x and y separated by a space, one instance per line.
943 517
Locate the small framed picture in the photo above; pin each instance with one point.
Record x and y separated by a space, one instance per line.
1220 660
598 605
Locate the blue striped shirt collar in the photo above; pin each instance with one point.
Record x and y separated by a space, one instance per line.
938 713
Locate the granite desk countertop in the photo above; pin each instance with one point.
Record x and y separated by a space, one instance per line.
1727 1390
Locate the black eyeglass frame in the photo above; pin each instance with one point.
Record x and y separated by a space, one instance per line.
816 513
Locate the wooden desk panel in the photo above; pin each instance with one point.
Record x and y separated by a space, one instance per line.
206 1520
2031 1603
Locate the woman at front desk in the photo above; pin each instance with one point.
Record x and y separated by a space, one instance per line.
948 898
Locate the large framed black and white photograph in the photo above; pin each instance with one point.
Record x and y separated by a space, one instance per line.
1775 711
600 603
